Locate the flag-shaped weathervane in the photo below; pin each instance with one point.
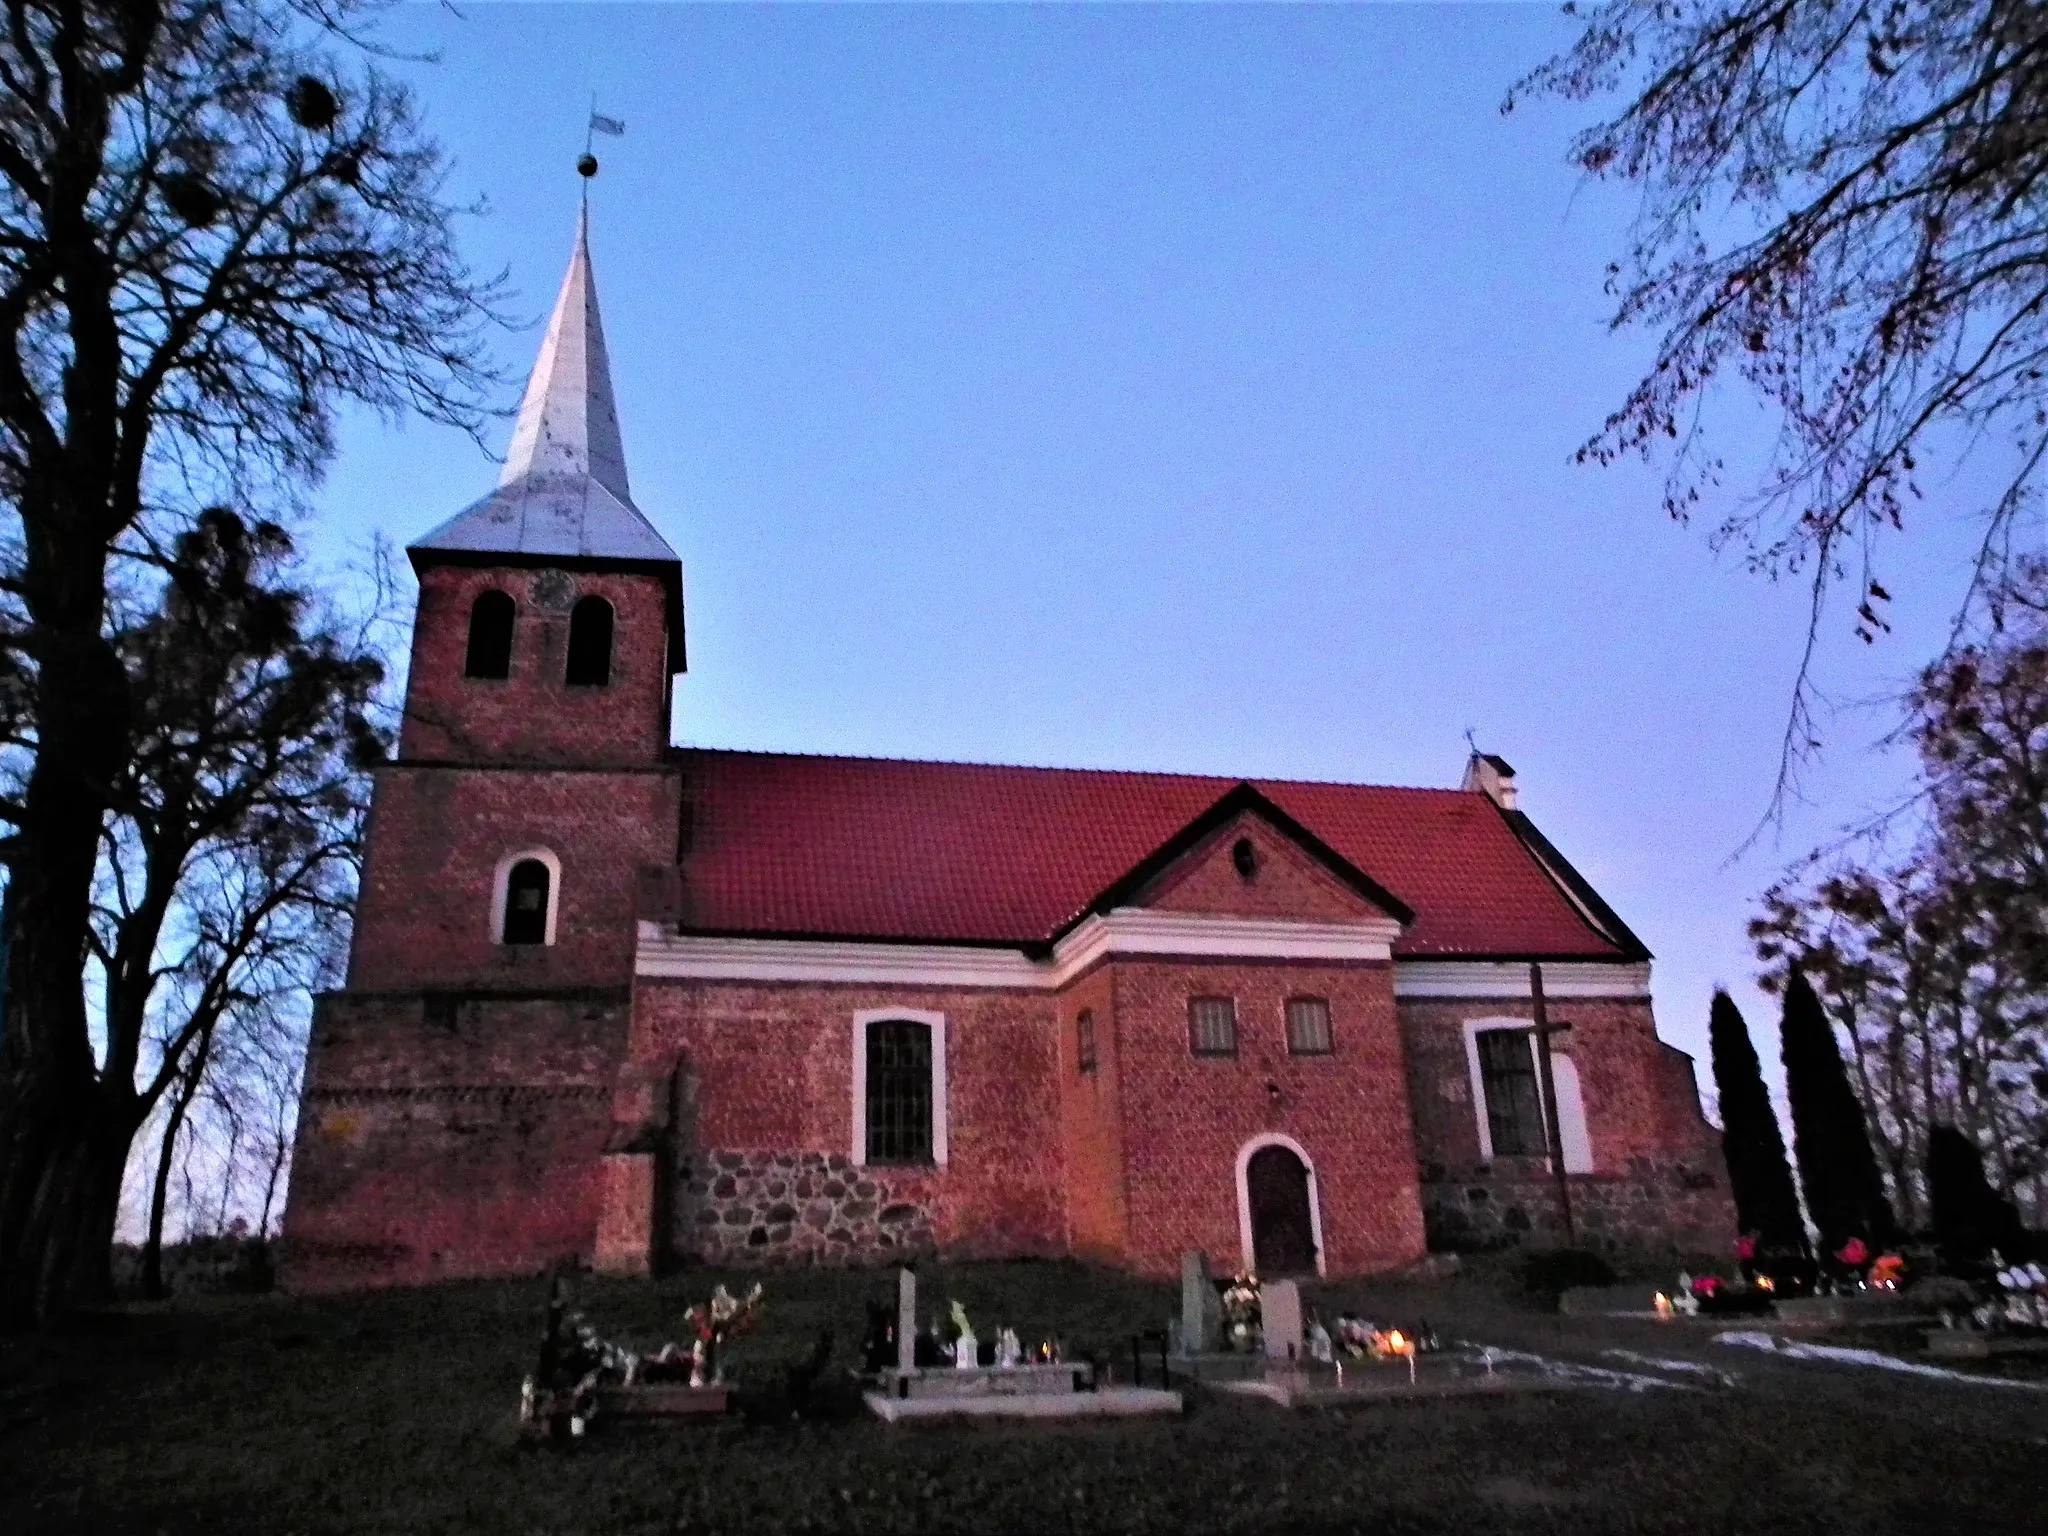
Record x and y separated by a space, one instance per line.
586 165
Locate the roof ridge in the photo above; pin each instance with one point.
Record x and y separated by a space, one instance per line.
1135 773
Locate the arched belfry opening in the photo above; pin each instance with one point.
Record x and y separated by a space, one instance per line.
489 654
590 644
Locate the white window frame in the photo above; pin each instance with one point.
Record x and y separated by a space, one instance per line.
503 878
1572 1129
936 1022
1244 1197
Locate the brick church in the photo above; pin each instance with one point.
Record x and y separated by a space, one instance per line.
649 1004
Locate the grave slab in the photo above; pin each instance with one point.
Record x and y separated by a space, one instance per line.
1968 1344
1068 1378
1105 1403
663 1400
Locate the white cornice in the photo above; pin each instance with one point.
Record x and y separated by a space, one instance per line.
1510 979
664 955
1142 931
667 956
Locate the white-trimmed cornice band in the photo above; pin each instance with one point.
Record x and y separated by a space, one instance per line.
667 956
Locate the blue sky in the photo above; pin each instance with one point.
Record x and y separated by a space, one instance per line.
1183 388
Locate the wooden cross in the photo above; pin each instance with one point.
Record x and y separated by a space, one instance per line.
1553 1125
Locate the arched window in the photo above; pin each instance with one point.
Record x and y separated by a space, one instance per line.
1507 1095
526 902
490 636
899 1092
590 644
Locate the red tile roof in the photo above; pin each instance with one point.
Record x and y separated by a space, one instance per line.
975 853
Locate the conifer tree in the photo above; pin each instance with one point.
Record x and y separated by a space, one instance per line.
1970 1217
1837 1170
1766 1203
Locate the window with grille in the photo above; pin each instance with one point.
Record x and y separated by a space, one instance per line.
899 1104
1084 1041
1308 1026
1514 1111
590 644
526 903
490 636
1212 1026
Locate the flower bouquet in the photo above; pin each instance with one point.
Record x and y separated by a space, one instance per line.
559 1400
1715 1297
1241 1314
2022 1295
712 1324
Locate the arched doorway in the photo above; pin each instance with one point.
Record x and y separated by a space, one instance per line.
1279 1208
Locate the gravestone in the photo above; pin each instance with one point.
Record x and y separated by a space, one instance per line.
906 1320
1280 1319
1201 1309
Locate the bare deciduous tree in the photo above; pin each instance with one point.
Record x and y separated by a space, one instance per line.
1843 206
217 220
1935 959
228 867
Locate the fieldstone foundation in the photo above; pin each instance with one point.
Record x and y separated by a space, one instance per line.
778 1208
1678 1206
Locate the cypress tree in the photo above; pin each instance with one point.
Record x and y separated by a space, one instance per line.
1838 1171
1766 1202
1970 1217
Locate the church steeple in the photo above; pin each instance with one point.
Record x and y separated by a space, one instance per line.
569 422
563 491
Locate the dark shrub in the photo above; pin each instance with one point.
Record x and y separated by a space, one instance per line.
1971 1218
1549 1275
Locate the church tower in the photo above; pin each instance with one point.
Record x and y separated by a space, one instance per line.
458 1089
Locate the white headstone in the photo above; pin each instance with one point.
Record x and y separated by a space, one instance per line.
1201 1309
1280 1319
906 1320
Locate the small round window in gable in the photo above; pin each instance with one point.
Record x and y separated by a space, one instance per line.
1245 855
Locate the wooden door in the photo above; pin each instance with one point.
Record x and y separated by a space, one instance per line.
1283 1230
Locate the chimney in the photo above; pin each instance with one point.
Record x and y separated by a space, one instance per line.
1493 777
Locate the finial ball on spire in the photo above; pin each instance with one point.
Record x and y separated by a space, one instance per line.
586 166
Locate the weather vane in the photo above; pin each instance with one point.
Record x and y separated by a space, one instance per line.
586 163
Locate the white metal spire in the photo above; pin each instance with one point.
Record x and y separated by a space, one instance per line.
569 422
563 490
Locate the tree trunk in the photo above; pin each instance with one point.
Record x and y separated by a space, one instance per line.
63 1195
153 1244
64 1131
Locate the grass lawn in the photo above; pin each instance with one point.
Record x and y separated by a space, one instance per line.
395 1412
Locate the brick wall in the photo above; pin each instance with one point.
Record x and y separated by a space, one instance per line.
1186 1117
436 837
450 1134
769 1070
1657 1181
1091 1126
1285 883
532 716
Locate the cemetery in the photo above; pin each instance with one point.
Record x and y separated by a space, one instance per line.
403 1409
